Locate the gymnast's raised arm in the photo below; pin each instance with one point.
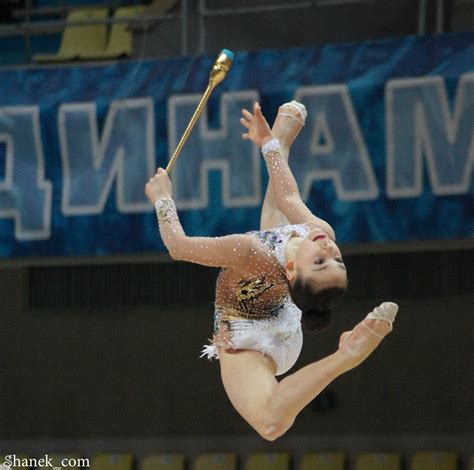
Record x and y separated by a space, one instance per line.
228 251
281 178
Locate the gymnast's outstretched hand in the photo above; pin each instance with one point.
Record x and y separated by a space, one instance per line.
258 130
158 186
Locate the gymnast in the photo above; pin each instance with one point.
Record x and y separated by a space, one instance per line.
273 281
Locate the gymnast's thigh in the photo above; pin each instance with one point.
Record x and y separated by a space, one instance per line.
249 380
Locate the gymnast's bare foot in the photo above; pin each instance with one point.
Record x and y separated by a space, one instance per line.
289 122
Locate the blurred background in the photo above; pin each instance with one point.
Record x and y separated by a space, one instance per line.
101 330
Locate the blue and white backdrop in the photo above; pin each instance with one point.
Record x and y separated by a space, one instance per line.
386 154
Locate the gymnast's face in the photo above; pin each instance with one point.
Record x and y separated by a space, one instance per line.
318 260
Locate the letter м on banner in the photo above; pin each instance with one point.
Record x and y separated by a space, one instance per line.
420 124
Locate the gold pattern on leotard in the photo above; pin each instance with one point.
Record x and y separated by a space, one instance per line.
250 289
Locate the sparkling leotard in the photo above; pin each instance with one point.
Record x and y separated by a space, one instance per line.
256 312
253 308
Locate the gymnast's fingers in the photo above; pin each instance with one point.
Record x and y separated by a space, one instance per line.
246 136
244 123
246 114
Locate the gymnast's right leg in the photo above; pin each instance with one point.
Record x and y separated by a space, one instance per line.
286 128
271 407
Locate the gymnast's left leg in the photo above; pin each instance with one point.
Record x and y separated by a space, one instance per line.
271 407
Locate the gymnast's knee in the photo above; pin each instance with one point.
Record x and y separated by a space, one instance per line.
274 427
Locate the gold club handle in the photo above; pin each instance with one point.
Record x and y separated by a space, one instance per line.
218 72
190 126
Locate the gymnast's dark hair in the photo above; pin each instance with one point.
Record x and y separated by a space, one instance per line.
315 305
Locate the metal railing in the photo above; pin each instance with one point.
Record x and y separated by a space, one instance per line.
204 12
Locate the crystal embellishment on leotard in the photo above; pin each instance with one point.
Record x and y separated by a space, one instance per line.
166 210
271 146
277 238
271 238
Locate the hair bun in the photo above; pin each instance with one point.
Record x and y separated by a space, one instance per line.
316 320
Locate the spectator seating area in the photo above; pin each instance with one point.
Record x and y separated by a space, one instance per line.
91 41
76 30
260 461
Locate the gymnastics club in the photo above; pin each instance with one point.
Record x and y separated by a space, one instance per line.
218 72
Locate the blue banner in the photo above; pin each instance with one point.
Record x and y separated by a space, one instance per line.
386 153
